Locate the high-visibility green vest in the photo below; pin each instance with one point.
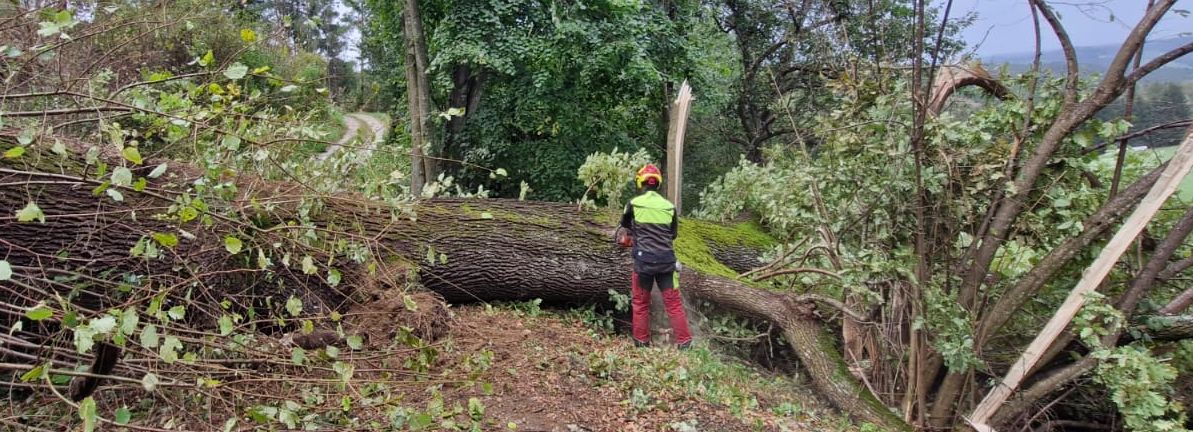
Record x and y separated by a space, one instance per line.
654 226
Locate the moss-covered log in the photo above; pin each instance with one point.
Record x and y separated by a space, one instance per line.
464 250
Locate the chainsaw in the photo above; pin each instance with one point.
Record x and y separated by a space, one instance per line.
622 237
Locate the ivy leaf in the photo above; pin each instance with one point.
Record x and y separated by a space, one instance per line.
233 244
226 325
231 142
236 71
58 148
333 277
31 212
121 176
103 325
87 414
36 373
123 415
5 270
132 155
129 321
149 338
169 349
166 239
157 172
355 342
308 265
114 194
39 313
298 356
207 59
177 312
294 306
149 382
14 152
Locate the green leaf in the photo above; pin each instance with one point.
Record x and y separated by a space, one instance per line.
140 184
121 176
298 356
103 325
36 373
169 349
501 172
231 142
166 239
308 265
114 194
129 321
39 313
58 148
157 172
5 270
233 244
226 325
149 338
87 414
207 59
177 312
248 35
26 137
31 212
294 306
14 152
236 71
333 277
132 155
355 342
345 370
149 382
123 415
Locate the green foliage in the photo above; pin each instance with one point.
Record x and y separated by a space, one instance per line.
1141 386
610 175
559 82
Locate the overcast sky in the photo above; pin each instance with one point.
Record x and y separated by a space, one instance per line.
1005 26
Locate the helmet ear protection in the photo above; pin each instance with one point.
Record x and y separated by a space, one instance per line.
648 172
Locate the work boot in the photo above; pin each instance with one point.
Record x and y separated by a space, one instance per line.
684 346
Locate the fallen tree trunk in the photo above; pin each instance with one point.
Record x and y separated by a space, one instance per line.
466 251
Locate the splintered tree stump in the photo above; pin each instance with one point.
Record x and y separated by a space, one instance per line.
464 250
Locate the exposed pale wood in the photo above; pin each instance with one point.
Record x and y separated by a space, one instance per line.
677 126
953 77
1177 168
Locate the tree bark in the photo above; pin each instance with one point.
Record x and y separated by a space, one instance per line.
418 96
464 250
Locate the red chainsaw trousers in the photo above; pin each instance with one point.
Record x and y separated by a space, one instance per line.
640 306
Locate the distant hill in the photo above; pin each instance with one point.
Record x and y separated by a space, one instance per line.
1095 59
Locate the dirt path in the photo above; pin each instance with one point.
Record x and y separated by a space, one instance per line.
352 125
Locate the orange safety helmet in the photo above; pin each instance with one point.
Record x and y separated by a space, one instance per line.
647 172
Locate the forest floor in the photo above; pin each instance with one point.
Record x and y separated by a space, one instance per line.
554 372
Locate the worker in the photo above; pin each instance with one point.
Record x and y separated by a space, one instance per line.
653 224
